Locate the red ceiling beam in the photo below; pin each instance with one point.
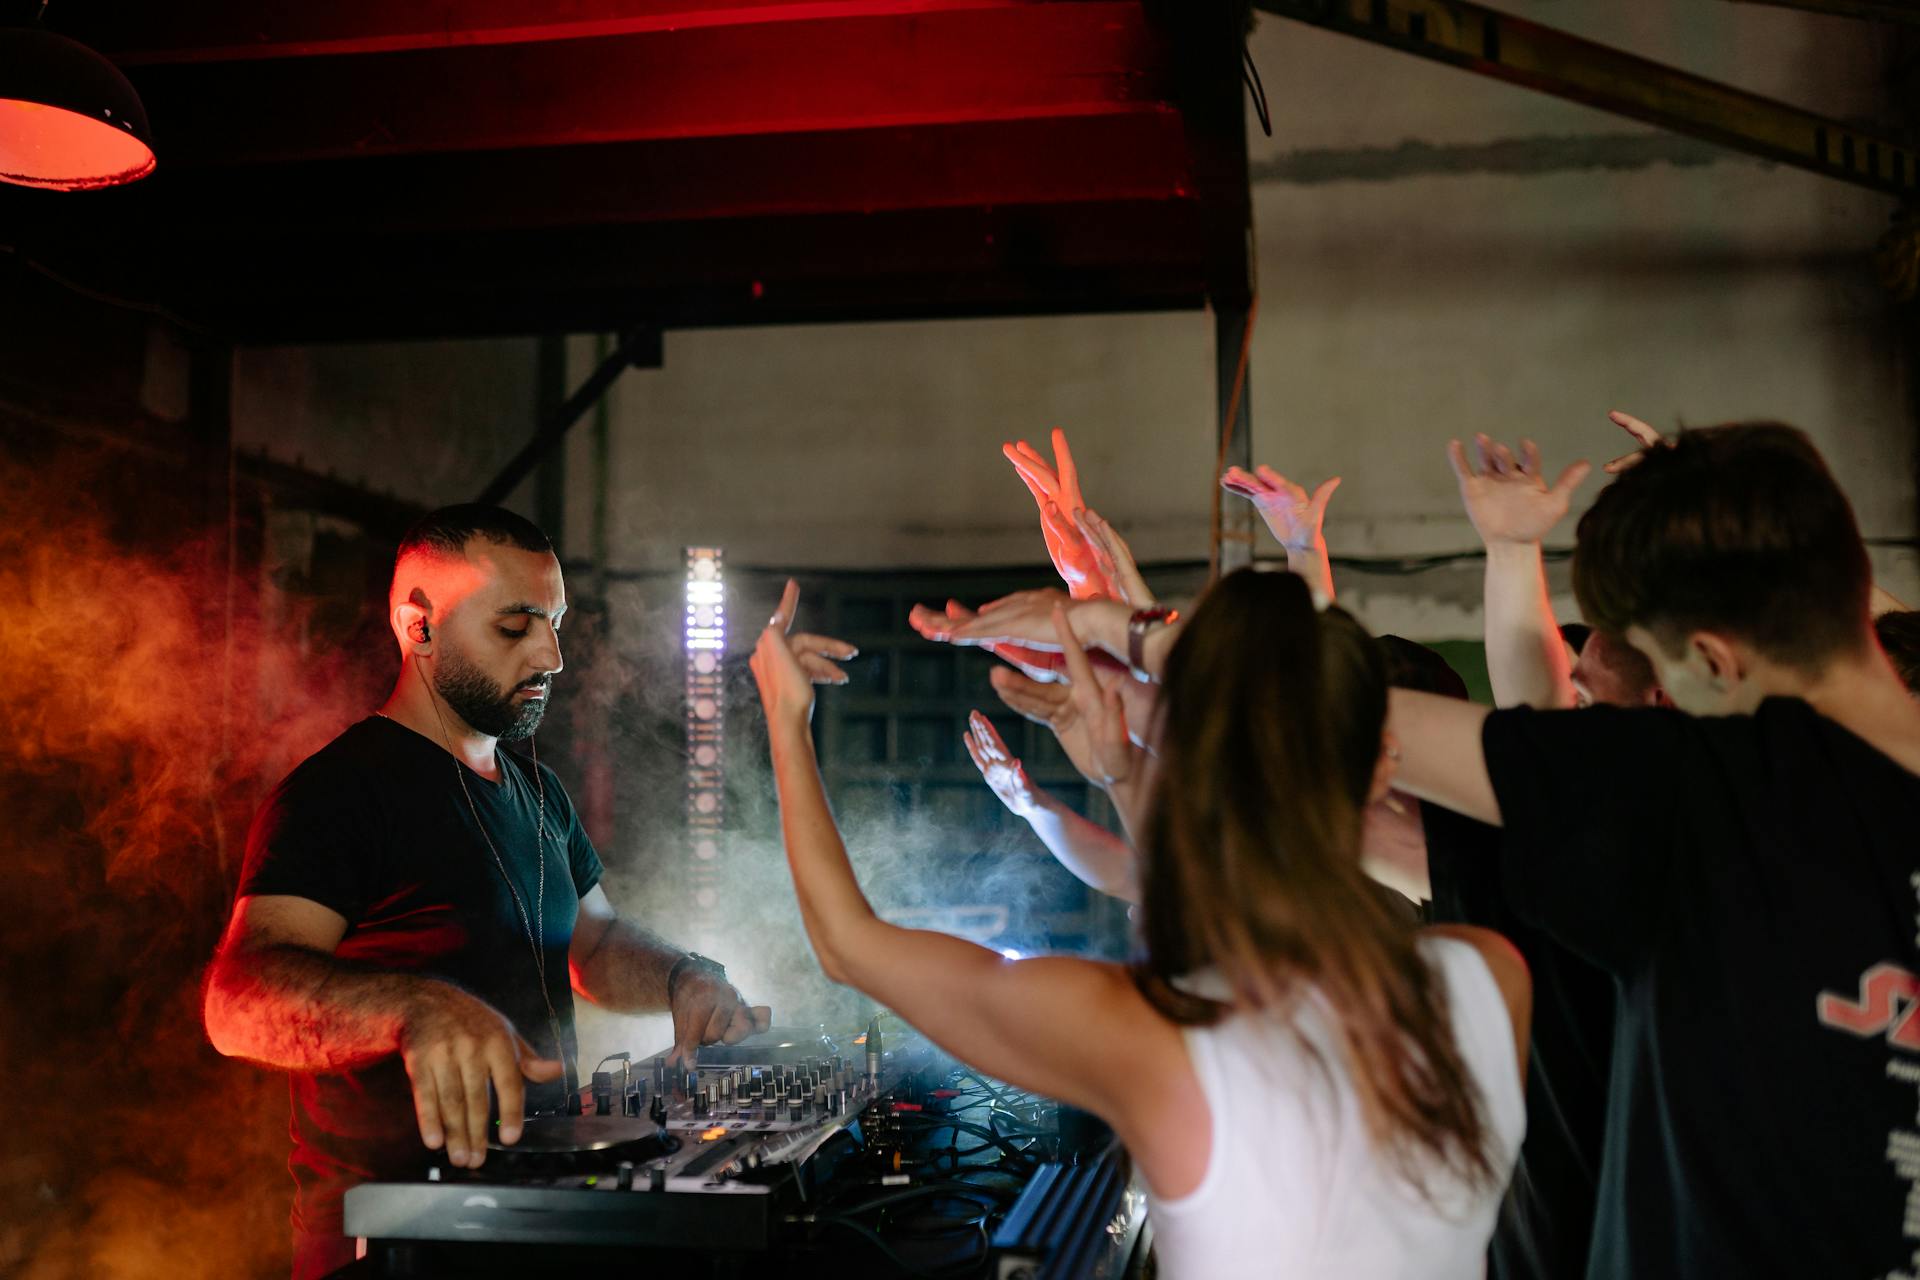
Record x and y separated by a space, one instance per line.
1063 160
1056 259
982 64
151 34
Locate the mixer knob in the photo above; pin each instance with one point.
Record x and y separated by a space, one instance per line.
624 1175
657 1178
795 1110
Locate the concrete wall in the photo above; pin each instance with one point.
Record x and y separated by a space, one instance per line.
1439 254
430 422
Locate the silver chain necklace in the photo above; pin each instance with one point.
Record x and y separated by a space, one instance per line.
535 927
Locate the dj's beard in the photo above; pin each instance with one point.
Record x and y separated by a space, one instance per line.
484 705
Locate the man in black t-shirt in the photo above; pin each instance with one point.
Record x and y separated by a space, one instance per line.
415 900
1751 881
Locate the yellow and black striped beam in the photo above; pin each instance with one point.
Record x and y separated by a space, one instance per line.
1496 44
1873 10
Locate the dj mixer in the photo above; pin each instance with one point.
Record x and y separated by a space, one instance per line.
793 1150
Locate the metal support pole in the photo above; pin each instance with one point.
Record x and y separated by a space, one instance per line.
639 348
1232 523
1495 44
550 478
1208 44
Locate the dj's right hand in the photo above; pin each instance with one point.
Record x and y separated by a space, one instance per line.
452 1044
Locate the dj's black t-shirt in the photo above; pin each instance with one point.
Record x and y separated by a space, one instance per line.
1546 1222
375 826
1750 881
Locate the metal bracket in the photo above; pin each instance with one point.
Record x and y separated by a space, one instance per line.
1476 38
641 348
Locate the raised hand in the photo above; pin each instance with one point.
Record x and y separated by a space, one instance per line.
787 664
1002 770
1111 755
1051 705
1644 435
1294 516
1036 664
1023 619
1506 496
1115 560
1058 496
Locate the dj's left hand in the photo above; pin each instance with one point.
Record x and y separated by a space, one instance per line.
708 1010
787 664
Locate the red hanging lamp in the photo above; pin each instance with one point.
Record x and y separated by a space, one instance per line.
69 120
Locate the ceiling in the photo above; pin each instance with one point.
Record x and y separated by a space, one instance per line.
371 169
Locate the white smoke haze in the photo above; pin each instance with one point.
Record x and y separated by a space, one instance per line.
915 869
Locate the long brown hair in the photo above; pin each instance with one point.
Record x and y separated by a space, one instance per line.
1270 723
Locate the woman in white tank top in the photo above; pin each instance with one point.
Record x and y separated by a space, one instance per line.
1310 1086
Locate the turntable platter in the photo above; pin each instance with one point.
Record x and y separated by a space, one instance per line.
776 1045
575 1134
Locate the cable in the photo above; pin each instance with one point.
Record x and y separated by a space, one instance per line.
95 295
845 1218
873 1238
952 1189
1250 76
965 1126
1241 17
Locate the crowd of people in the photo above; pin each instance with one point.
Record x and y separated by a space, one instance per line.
1618 978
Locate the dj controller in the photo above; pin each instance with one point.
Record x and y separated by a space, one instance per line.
792 1152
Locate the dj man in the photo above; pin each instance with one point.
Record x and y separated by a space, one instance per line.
414 899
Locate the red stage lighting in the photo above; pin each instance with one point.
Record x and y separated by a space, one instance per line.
69 120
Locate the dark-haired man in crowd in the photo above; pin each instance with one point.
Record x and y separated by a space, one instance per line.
1749 881
414 899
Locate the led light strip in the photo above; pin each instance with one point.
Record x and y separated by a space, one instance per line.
706 710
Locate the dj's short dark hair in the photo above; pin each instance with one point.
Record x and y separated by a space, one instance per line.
1899 634
1738 529
447 531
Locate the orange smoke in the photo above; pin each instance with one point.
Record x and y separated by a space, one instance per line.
147 710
